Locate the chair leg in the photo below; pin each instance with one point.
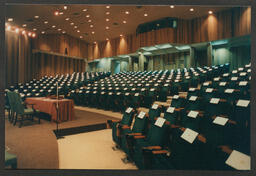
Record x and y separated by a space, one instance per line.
21 121
15 120
9 115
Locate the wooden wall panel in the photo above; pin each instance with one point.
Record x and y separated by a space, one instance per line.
57 43
225 24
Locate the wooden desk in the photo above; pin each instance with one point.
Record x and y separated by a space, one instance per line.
47 105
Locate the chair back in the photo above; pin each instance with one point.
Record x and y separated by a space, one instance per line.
18 103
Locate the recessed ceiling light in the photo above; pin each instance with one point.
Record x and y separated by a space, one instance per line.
10 19
71 23
81 36
93 32
59 29
34 29
210 12
91 25
191 10
24 25
75 27
23 32
124 21
45 22
107 27
172 6
127 12
42 32
17 30
65 7
61 13
107 7
94 42
29 34
145 14
121 35
107 39
63 32
77 31
36 16
67 19
107 13
56 13
87 16
84 10
53 26
107 19
89 21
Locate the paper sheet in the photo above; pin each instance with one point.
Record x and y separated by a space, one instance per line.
220 121
192 89
214 100
193 114
239 161
160 122
137 94
229 90
155 106
175 97
128 110
206 84
243 83
234 78
209 90
189 135
222 83
141 115
243 103
193 98
170 109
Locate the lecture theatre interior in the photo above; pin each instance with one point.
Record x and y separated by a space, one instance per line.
127 87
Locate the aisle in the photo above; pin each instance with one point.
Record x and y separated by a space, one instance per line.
92 150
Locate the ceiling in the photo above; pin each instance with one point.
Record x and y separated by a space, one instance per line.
87 19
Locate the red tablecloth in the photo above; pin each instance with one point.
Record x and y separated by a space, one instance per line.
47 105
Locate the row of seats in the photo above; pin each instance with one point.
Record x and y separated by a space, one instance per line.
136 89
204 130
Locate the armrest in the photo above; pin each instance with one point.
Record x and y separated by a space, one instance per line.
134 134
223 100
232 122
201 138
159 152
139 137
178 109
125 126
175 126
225 149
152 148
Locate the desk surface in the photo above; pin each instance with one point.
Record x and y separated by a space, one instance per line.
47 105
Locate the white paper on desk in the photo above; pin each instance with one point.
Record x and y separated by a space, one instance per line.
155 106
229 90
216 79
102 93
243 103
214 100
127 94
206 84
243 83
175 97
176 81
220 120
160 122
116 84
189 135
128 110
125 88
209 90
87 91
147 84
166 85
103 88
192 89
152 89
225 74
110 93
234 78
156 85
94 92
110 88
170 109
95 88
249 70
240 69
223 83
193 98
118 93
239 161
193 114
141 115
234 71
143 89
133 89
117 88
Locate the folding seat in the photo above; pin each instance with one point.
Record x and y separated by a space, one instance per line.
178 102
150 97
216 82
119 125
182 153
164 92
222 86
156 136
195 81
184 85
173 115
175 86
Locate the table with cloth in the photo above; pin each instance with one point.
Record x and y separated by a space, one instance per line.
48 105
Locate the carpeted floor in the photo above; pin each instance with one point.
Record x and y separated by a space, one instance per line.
35 144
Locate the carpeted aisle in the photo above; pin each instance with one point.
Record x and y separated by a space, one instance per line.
35 144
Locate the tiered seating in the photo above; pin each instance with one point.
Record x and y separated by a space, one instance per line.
206 129
135 89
